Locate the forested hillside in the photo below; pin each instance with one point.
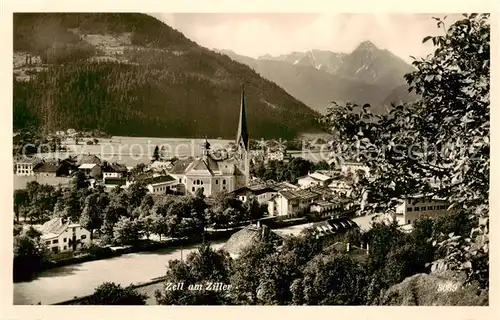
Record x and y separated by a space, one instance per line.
150 81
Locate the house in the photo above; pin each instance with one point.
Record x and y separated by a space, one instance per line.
62 235
249 236
113 170
291 202
25 166
314 179
48 169
262 193
414 207
91 169
161 184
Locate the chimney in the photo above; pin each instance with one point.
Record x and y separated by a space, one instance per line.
367 248
348 247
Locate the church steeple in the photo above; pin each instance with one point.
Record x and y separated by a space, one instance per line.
206 147
242 137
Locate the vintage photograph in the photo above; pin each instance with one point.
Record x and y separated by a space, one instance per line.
251 159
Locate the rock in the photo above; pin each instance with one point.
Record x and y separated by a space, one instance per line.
434 290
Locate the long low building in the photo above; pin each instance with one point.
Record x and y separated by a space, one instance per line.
415 207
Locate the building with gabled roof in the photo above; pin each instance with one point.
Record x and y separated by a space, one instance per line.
49 169
63 235
113 170
314 179
291 202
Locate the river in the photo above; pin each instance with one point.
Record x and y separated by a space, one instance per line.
64 283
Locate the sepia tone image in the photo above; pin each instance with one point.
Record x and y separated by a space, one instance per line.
251 159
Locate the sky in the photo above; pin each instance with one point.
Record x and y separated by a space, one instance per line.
256 34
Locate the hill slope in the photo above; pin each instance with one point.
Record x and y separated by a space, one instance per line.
130 74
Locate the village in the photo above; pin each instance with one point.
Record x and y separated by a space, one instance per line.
151 168
323 200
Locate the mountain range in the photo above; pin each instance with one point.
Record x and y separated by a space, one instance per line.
317 77
131 74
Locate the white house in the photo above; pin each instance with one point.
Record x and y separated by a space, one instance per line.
113 170
291 203
314 179
25 166
59 235
412 208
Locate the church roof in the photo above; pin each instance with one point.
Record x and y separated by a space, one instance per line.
180 166
208 165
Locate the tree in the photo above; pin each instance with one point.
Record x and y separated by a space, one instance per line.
110 293
444 135
254 210
91 217
137 191
226 210
332 280
21 198
127 231
148 225
160 226
29 254
201 267
156 154
244 283
80 180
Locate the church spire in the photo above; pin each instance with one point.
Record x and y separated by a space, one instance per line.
242 138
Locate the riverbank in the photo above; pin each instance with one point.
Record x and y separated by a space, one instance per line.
103 253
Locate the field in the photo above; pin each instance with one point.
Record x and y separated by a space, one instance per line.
21 181
134 150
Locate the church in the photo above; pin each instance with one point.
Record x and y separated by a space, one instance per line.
213 174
